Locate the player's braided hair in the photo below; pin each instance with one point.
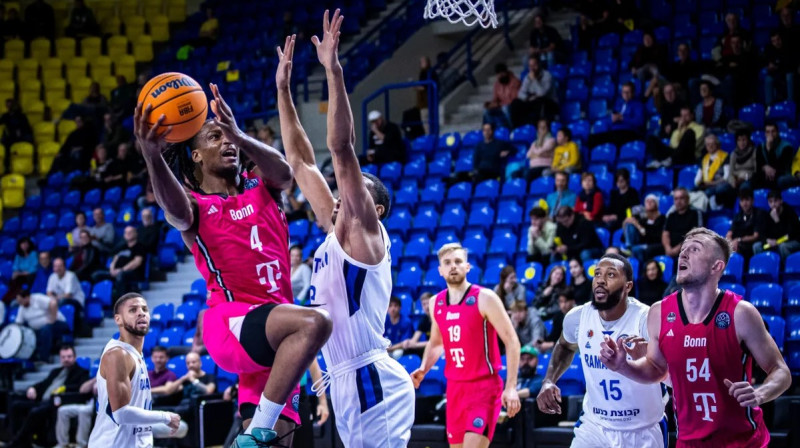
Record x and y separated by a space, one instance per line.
179 159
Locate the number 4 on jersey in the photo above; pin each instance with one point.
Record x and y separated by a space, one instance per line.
255 242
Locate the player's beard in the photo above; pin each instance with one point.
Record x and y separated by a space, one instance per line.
612 299
690 279
135 331
455 280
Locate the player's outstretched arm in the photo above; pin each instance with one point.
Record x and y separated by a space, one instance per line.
751 330
494 311
650 369
168 190
299 152
271 166
116 367
433 351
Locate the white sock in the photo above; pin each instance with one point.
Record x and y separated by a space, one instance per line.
266 416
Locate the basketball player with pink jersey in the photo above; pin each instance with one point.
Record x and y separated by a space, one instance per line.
467 320
706 339
231 220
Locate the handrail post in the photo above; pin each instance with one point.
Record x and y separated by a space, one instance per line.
507 28
470 75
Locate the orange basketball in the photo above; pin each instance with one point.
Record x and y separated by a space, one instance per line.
181 99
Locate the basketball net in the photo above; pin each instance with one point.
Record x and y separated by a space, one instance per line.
468 11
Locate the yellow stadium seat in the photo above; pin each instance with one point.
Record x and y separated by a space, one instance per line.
143 49
27 69
2 157
45 164
22 158
52 70
15 50
103 9
44 132
58 107
159 28
152 8
34 111
128 8
79 89
117 46
110 25
13 186
29 90
6 70
65 48
176 11
91 47
76 69
100 67
55 90
65 127
134 26
125 65
107 84
46 152
40 49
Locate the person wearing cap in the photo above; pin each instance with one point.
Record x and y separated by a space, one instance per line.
385 141
744 228
643 231
780 229
528 382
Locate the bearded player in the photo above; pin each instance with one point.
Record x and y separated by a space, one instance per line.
617 412
706 339
467 320
231 220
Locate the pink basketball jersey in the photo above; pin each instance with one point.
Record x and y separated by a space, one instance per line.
242 246
470 341
700 357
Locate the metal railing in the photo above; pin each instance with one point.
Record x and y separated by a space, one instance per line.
433 106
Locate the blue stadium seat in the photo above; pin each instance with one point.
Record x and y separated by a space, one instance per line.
48 222
8 247
471 139
764 267
475 243
188 337
632 151
504 242
185 315
415 169
753 114
112 196
390 172
659 180
410 276
768 298
453 216
399 221
132 193
760 199
171 337
30 223
461 191
226 379
66 222
426 218
580 130
487 189
69 315
299 229
719 224
167 259
530 274
542 186
481 215
784 111
734 269
94 313
514 188
572 381
445 236
72 199
598 105
425 144
791 271
433 279
605 182
686 176
666 264
589 267
604 235
12 225
84 362
161 315
450 141
47 244
418 248
397 246
407 195
793 330
735 288
609 41
502 134
177 363
791 196
777 329
434 383
52 200
606 154
409 362
101 292
509 213
525 134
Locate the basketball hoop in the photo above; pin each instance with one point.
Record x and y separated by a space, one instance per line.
468 11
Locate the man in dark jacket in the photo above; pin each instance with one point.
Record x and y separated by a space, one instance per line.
86 258
780 229
488 160
385 140
32 414
575 237
774 160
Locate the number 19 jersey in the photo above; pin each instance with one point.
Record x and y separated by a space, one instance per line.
612 400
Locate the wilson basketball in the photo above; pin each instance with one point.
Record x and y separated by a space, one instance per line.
181 99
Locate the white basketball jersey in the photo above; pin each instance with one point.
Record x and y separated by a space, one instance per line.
612 400
110 433
356 295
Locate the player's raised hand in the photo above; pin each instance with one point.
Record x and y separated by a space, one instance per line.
416 377
510 400
549 398
636 346
283 75
328 47
224 116
150 139
613 354
743 392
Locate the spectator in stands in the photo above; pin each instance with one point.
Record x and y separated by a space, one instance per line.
107 172
546 300
589 202
43 272
541 234
544 42
643 231
537 98
113 133
679 222
40 20
650 58
63 285
566 157
127 266
746 224
732 30
712 177
397 329
426 73
41 314
295 204
669 108
527 323
578 236
419 340
209 30
148 198
81 21
123 98
160 376
149 231
385 141
102 232
781 66
95 104
581 285
28 415
12 27
528 382
506 89
85 257
566 302
774 160
540 154
709 111
685 72
76 151
780 228
196 382
595 20
509 289
84 413
489 156
134 169
266 134
790 33
651 284
16 127
80 224
627 120
301 275
23 269
684 144
743 161
563 196
623 199
738 72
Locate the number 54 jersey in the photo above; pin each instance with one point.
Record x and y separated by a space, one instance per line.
612 400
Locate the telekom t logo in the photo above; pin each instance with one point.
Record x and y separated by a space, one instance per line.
457 355
706 404
273 274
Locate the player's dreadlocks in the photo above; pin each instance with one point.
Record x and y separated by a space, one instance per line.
179 159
